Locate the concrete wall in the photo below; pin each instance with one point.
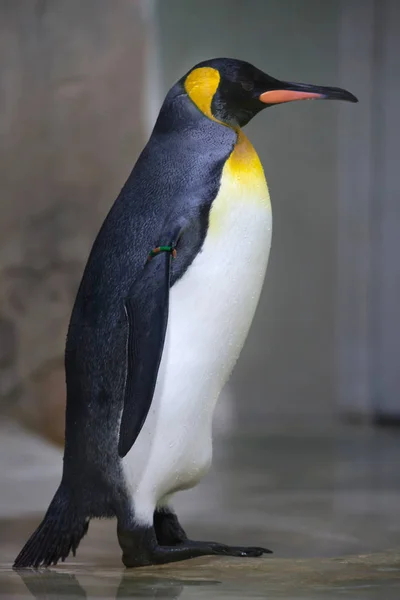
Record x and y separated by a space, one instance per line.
287 367
71 128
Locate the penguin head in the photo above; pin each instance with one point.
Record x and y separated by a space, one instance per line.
233 91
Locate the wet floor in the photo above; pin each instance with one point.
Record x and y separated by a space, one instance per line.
325 499
366 577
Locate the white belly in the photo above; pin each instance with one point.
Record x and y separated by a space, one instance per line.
211 310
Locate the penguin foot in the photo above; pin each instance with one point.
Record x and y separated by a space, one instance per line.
136 556
141 547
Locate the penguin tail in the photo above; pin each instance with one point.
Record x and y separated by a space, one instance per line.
59 533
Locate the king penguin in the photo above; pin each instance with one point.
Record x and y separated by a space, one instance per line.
162 312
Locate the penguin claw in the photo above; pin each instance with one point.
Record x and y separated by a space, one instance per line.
240 551
258 551
250 552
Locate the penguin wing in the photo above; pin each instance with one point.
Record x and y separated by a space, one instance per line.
146 309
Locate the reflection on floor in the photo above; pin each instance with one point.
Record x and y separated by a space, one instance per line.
311 494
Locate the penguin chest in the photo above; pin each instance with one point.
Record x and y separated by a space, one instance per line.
213 305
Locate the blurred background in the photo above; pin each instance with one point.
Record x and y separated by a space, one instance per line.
81 85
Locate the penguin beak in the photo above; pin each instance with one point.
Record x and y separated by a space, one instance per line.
304 91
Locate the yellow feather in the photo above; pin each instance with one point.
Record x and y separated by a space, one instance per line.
201 85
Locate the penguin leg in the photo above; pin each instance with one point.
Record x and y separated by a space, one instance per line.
169 532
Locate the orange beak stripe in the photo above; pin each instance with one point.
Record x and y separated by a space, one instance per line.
279 96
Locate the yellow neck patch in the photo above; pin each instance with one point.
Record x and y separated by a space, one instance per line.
201 85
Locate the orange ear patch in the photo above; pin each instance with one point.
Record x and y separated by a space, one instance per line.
201 85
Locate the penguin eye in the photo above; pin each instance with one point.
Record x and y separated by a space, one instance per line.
247 85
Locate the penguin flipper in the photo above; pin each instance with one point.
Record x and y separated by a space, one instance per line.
147 313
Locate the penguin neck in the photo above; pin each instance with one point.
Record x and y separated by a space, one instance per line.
180 115
243 165
201 85
187 107
243 181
